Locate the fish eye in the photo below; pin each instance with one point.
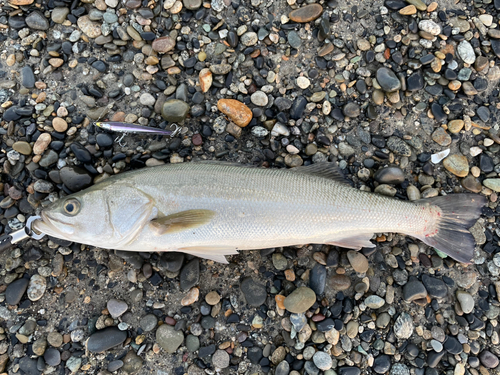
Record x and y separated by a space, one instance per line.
71 207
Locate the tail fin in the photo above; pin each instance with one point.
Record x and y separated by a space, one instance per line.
459 213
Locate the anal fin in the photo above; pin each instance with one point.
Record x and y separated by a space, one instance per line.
354 242
215 253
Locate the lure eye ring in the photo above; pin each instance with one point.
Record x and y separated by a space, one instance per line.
71 207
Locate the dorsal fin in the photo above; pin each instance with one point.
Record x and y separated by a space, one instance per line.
324 169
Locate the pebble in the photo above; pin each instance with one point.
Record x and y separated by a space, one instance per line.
492 183
175 110
116 308
358 261
414 290
303 82
148 322
403 327
52 357
466 52
220 359
322 360
105 339
307 13
259 99
15 291
317 279
205 77
430 27
168 338
457 164
36 287
466 301
254 292
374 302
300 300
27 77
237 112
351 110
488 359
388 80
389 175
434 286
163 44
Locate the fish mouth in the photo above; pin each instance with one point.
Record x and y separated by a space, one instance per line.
51 226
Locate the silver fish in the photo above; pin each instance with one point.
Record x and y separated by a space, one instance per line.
214 209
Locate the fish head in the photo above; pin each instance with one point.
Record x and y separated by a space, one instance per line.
105 215
77 217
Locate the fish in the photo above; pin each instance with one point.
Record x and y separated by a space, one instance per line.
213 209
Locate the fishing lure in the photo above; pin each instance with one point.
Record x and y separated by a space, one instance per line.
124 127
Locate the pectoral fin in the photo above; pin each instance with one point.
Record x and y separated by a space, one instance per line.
181 221
215 253
356 242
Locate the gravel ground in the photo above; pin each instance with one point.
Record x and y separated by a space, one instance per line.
403 95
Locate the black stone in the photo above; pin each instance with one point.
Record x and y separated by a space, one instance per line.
486 163
483 113
415 82
317 279
325 325
450 74
435 287
351 370
11 114
190 274
27 77
75 178
433 358
81 153
435 90
170 261
104 140
205 351
298 107
101 66
254 354
438 112
105 339
427 59
382 364
254 292
495 46
52 357
15 291
452 345
28 366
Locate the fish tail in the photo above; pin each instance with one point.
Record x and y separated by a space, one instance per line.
451 233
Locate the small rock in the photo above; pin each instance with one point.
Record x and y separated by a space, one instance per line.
168 338
307 13
466 301
237 112
457 164
105 339
388 80
175 110
15 291
300 300
358 261
254 292
116 308
36 287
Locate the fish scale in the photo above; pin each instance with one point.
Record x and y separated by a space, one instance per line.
252 208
